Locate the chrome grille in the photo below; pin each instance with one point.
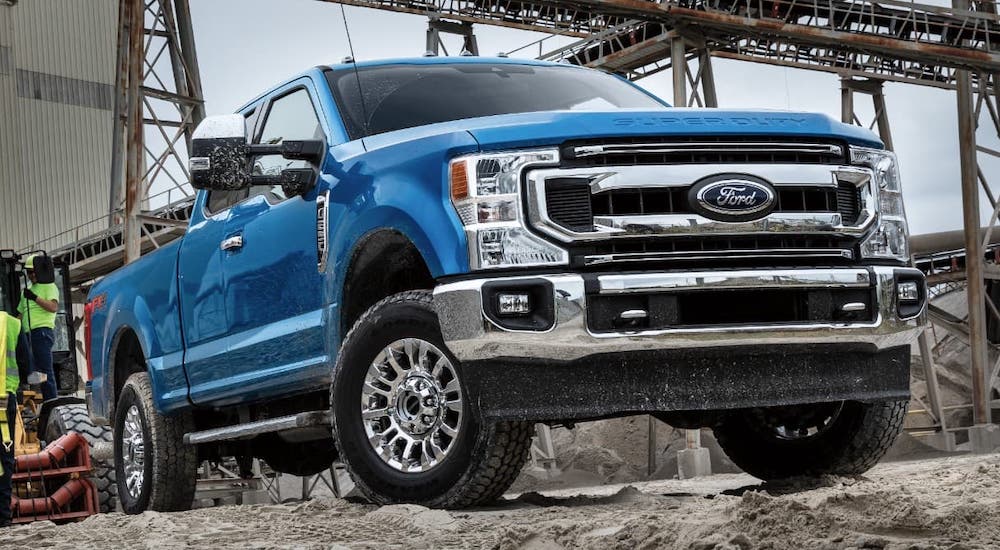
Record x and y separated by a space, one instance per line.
638 212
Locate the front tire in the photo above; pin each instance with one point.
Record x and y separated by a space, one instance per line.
155 470
846 438
403 422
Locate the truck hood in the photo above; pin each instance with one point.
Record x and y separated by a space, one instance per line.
548 128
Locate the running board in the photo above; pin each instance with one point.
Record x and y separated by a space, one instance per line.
308 419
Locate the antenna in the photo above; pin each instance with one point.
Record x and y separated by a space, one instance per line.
354 63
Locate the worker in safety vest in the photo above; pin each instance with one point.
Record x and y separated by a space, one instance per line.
37 312
10 328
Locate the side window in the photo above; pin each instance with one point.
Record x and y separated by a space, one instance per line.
221 200
291 116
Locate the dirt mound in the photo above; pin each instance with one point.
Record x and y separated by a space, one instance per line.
945 504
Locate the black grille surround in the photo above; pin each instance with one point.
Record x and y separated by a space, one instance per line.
567 201
717 243
570 203
708 308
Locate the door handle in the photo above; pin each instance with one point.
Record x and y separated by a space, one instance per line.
232 243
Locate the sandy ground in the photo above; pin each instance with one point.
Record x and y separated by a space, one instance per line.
944 503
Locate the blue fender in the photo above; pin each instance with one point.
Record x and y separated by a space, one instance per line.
141 298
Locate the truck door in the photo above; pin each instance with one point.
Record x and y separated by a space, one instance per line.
200 283
272 286
203 311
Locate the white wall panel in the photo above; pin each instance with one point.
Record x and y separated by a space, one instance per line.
72 38
55 117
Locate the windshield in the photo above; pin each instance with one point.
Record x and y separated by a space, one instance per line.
405 96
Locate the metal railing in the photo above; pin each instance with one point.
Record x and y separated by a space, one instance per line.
163 220
899 41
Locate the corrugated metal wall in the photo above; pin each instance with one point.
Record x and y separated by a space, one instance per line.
57 65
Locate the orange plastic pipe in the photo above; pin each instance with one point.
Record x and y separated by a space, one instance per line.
52 455
62 498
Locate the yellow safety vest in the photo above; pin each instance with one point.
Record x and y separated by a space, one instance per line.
10 327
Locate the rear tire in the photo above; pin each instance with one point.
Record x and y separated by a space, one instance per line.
851 439
75 418
155 470
444 455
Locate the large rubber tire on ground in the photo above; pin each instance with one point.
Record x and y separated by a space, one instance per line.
75 418
478 462
853 441
150 454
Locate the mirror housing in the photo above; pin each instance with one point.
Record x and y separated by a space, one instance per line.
219 154
220 158
296 181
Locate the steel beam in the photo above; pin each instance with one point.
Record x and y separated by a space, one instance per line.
678 62
116 185
973 256
133 131
435 27
189 56
707 78
871 87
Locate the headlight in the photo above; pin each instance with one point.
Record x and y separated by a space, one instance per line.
889 240
486 192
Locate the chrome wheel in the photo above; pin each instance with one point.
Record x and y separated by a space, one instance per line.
133 452
411 405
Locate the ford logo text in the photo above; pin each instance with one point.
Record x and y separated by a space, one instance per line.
732 197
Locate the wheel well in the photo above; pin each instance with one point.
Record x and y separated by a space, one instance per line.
384 263
126 359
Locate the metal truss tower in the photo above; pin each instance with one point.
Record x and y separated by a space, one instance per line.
158 103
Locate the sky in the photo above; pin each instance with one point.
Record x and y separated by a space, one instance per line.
247 46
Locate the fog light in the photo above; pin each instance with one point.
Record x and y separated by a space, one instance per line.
907 291
513 303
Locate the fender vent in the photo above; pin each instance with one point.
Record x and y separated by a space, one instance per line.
322 215
568 203
849 202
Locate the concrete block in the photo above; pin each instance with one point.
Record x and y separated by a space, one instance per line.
942 441
984 438
693 463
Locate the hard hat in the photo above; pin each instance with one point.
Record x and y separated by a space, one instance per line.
30 263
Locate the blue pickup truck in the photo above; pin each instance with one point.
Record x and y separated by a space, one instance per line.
403 265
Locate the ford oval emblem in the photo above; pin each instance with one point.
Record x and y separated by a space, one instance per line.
732 197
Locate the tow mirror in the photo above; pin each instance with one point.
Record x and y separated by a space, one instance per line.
220 158
219 154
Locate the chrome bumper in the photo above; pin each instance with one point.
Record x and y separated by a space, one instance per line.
472 336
